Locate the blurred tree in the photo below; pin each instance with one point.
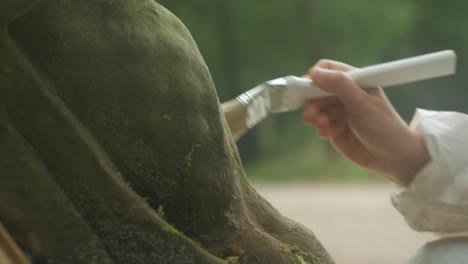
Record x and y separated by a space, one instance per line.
441 25
260 40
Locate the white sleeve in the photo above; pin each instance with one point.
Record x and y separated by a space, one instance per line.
437 198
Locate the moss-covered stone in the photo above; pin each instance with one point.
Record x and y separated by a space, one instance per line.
111 113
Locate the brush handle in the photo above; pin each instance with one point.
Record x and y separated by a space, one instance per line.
380 75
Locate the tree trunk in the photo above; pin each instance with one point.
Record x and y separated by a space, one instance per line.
113 146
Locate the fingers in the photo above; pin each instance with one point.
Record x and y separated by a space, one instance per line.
313 117
325 102
321 109
333 65
327 115
329 75
333 130
340 84
322 120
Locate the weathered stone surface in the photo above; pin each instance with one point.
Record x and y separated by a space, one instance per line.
114 149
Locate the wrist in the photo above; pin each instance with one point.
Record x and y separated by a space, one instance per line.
412 160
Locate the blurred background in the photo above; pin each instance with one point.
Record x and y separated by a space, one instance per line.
245 43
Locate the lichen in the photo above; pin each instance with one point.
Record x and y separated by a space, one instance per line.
172 231
160 211
300 254
232 260
189 159
234 250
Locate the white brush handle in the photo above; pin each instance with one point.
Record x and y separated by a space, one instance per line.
380 75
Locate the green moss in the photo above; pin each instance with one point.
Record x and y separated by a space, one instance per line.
233 260
117 104
172 231
233 250
300 260
302 257
316 260
189 159
38 212
160 211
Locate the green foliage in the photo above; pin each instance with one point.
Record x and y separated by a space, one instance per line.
313 161
248 42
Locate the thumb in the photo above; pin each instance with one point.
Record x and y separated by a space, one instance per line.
339 84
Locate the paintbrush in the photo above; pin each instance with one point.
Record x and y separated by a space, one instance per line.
290 93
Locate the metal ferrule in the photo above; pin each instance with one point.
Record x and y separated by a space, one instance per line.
247 97
257 103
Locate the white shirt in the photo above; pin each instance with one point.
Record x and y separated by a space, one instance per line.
437 198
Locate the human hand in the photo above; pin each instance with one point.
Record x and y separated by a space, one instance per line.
363 125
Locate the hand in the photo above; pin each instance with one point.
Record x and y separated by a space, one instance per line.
363 125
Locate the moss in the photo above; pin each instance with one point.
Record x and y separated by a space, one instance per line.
117 104
34 207
127 228
232 260
235 251
189 159
160 211
298 259
302 257
172 231
316 260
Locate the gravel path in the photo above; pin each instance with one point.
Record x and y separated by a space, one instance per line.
356 223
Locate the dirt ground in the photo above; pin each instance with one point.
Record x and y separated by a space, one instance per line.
356 223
